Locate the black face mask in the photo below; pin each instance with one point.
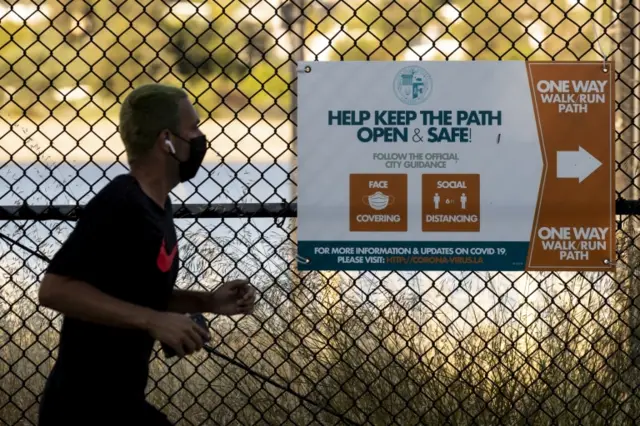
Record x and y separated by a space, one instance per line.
197 149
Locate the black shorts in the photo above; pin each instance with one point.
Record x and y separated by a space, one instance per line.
83 414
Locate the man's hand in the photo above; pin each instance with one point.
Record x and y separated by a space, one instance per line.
233 298
178 331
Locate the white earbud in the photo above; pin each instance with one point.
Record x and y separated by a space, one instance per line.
170 145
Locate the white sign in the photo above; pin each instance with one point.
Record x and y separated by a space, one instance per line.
455 165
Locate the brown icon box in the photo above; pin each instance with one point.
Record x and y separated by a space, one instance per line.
378 202
450 203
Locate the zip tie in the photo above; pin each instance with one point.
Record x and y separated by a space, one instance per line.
303 259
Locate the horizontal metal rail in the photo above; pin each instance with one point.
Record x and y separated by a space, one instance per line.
208 211
70 212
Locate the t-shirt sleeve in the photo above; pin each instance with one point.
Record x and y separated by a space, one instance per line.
93 236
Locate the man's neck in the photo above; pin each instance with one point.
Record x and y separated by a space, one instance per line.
152 183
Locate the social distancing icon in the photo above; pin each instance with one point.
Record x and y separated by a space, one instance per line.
450 202
378 203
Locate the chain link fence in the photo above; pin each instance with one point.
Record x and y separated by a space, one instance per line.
382 348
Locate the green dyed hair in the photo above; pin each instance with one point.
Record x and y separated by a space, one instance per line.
145 112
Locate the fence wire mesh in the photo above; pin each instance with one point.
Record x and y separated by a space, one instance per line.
385 348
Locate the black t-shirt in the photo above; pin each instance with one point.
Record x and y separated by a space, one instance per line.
125 245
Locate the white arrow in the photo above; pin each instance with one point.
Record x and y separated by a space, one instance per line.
576 164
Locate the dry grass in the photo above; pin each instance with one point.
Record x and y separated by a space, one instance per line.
561 355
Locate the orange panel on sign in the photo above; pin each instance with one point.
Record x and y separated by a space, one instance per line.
378 203
574 220
450 202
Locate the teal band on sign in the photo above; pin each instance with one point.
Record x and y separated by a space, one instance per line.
412 256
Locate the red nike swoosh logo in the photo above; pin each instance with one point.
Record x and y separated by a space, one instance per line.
165 260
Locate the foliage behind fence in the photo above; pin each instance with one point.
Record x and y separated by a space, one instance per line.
384 348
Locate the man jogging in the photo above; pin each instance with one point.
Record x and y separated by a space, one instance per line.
113 278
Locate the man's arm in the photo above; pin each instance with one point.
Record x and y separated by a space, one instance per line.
83 301
231 298
80 300
189 301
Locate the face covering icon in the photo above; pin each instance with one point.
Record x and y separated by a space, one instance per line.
378 201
